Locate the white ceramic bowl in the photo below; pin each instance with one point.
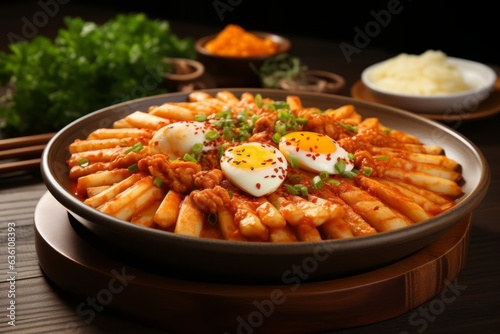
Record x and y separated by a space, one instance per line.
479 76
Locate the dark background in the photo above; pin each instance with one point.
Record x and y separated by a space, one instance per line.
466 29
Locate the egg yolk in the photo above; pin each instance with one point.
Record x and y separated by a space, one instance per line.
252 157
257 169
315 143
314 152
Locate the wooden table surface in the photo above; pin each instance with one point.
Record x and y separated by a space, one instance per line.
41 307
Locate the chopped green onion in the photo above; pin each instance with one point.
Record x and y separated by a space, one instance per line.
157 182
301 120
281 105
295 177
230 193
349 173
224 114
280 127
382 157
276 138
340 166
212 135
324 175
200 117
283 115
189 157
269 106
244 135
349 127
197 148
133 168
242 116
334 182
317 183
228 133
350 156
294 126
387 131
297 189
246 127
224 123
291 189
83 162
135 148
220 151
367 171
294 161
258 100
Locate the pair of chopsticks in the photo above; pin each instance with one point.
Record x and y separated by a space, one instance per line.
22 153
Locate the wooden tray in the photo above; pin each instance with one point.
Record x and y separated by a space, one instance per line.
487 108
69 259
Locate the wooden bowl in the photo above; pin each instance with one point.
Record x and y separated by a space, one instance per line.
184 71
229 71
317 81
261 262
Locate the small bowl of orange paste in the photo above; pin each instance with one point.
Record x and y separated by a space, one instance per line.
232 56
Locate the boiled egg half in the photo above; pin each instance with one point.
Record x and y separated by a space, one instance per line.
256 168
177 139
314 152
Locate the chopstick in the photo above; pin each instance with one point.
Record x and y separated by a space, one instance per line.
21 152
24 151
22 165
11 143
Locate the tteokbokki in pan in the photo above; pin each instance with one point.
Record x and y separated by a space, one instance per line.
251 168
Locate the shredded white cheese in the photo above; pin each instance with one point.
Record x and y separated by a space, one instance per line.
427 74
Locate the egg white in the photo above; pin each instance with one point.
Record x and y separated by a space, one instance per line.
177 139
314 152
256 168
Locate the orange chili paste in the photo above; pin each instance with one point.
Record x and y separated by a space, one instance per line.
235 41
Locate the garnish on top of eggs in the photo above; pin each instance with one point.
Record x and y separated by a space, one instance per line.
258 169
177 139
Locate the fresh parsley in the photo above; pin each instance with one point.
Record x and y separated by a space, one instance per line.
50 83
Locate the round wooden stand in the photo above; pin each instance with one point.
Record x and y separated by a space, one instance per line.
487 108
101 281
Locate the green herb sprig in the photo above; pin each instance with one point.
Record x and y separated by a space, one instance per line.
50 83
281 67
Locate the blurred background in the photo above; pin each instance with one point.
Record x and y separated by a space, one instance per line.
466 29
342 37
